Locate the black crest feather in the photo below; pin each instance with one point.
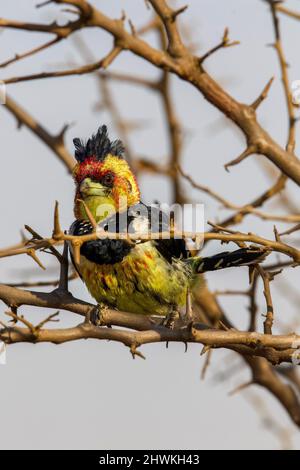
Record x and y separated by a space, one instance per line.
99 146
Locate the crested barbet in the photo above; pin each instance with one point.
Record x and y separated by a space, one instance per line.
146 277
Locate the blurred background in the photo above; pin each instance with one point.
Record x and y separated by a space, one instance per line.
89 394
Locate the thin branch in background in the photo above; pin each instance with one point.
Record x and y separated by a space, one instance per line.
247 208
64 270
285 77
175 130
222 45
253 307
84 69
287 11
263 95
53 283
189 70
29 53
267 277
120 124
206 364
283 434
54 142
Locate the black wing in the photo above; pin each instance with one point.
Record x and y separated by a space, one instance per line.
141 218
137 219
169 248
102 251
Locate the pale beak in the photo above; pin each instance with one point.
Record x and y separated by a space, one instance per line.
92 188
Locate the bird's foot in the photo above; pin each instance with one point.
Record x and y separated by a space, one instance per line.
170 319
96 315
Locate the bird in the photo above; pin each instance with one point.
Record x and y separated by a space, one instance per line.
152 277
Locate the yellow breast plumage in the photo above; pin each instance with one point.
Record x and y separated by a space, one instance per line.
143 282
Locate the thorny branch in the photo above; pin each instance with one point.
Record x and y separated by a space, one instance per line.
181 62
173 58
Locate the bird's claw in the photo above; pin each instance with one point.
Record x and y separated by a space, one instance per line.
170 319
96 315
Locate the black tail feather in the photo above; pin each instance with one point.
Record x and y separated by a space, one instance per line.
227 259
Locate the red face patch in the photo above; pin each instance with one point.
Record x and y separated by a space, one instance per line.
90 168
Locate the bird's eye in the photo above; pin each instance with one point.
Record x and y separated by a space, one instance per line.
108 179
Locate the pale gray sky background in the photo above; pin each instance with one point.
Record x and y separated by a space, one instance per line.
89 394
